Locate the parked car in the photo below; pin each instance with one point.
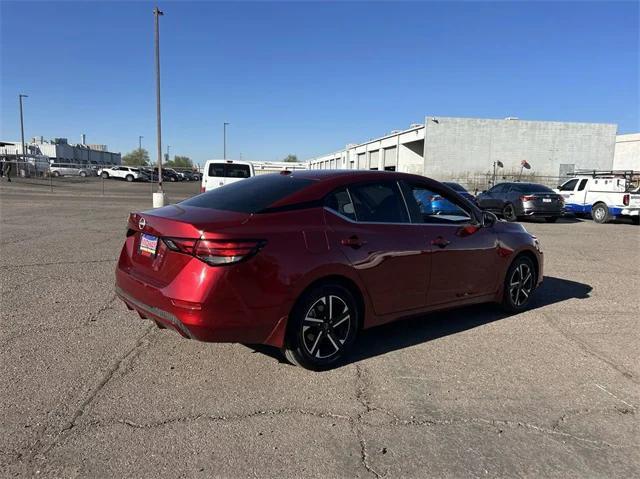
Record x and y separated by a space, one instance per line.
129 173
460 189
190 175
522 200
303 261
219 173
167 175
70 169
178 174
603 195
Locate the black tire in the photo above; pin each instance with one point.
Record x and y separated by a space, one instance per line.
83 174
315 340
173 178
600 213
105 175
635 220
129 178
551 219
56 174
519 284
509 212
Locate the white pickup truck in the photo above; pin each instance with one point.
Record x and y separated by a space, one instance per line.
603 195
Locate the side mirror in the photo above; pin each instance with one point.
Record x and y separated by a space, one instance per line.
488 219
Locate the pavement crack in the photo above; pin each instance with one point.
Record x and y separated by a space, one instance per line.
129 355
357 423
587 349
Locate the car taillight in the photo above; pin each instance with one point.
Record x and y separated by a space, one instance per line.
625 200
202 189
528 197
215 252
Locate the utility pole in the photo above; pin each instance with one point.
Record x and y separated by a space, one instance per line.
159 196
224 139
140 142
168 148
20 97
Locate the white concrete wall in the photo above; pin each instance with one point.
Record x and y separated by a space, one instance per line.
458 147
627 153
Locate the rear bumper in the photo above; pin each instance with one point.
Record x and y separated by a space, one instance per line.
541 212
630 211
214 310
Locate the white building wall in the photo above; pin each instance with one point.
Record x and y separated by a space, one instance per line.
627 152
458 147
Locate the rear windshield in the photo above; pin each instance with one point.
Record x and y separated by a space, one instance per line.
229 170
251 195
530 188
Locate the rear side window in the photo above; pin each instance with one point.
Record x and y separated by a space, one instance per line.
379 203
583 183
250 196
340 202
532 188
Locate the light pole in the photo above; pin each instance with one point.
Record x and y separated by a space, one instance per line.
20 97
168 148
224 139
140 142
158 200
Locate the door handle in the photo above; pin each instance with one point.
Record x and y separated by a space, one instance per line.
440 242
353 242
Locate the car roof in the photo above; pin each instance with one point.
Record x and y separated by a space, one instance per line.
325 181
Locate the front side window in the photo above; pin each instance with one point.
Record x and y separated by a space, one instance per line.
569 185
428 206
379 203
340 202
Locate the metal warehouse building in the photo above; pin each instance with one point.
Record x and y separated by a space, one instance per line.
61 151
466 149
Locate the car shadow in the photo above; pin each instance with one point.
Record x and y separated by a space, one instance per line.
420 329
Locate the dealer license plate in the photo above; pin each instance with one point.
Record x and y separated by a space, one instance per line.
148 244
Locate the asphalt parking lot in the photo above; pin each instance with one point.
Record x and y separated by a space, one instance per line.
91 390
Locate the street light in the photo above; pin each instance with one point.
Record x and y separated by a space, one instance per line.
158 198
140 142
224 139
20 97
168 148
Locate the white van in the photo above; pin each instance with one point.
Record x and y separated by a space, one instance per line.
218 173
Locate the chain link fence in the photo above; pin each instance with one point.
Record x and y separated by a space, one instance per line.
41 175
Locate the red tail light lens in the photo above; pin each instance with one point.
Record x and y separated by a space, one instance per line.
528 197
625 200
215 252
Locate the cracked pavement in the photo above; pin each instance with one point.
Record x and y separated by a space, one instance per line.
91 390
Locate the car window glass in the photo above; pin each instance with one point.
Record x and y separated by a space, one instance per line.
340 202
435 208
237 171
569 185
216 169
501 188
379 203
583 183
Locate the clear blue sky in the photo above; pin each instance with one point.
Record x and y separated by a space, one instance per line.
307 78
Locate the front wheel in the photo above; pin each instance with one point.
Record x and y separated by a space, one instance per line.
129 178
83 174
519 284
322 328
600 213
105 175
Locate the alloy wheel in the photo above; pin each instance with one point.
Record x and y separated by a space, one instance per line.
521 284
326 327
509 213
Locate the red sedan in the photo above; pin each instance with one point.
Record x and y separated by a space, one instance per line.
303 261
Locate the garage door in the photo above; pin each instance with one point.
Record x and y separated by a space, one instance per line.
390 156
373 159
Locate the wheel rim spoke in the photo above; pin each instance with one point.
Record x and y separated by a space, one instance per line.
326 327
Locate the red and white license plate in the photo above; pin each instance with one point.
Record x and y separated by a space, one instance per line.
148 244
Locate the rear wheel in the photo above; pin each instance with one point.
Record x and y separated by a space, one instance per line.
56 173
519 284
83 174
551 219
322 327
129 178
509 212
600 213
173 178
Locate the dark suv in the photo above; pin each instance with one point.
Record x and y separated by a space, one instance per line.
518 200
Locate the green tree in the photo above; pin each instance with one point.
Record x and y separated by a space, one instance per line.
138 157
291 158
180 162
